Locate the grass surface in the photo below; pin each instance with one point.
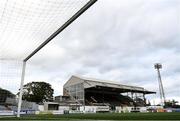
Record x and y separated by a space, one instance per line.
101 116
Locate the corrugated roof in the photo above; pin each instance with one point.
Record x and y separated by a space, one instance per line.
92 82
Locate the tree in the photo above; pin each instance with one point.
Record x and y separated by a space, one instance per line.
4 94
37 92
172 104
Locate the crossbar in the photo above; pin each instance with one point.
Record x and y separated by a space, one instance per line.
66 24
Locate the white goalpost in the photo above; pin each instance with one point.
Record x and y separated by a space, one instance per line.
28 25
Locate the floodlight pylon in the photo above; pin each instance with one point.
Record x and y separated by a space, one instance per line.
158 66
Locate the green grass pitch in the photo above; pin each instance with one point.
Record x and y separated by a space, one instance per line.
100 116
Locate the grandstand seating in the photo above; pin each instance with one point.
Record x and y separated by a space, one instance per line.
109 99
139 102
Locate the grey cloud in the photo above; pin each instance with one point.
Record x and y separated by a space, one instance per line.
119 40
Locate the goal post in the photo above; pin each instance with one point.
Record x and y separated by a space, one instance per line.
66 24
27 26
21 88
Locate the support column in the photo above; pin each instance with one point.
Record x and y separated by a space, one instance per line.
21 88
132 95
84 98
144 99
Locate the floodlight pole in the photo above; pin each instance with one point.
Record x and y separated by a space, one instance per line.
66 24
158 66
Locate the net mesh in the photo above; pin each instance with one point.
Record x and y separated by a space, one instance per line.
25 24
10 71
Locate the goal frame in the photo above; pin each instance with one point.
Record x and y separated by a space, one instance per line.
65 25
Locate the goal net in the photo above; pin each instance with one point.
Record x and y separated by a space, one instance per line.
10 73
24 27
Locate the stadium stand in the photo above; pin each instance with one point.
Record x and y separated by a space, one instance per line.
95 92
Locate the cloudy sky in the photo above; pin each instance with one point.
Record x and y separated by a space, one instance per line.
117 40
